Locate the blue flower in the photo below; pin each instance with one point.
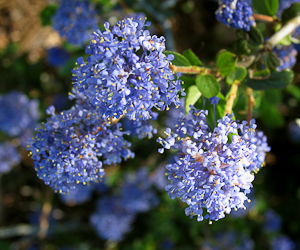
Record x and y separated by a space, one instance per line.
272 221
287 56
282 242
74 19
9 157
73 146
210 171
235 14
18 114
79 195
111 220
57 56
127 73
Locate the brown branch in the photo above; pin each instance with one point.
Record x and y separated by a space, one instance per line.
263 18
232 96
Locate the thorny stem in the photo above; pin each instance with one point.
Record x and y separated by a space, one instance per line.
263 18
190 69
284 31
44 218
232 96
251 103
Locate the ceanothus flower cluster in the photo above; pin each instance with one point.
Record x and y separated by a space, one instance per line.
213 170
74 19
73 146
235 14
9 157
287 56
127 73
115 214
18 114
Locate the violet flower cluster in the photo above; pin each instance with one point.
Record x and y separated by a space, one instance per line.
115 214
9 157
235 14
213 170
74 19
73 146
287 56
18 114
127 73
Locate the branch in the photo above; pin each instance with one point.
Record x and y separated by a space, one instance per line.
251 103
284 31
263 18
190 69
232 96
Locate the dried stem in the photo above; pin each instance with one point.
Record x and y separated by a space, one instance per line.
44 218
232 96
287 29
251 103
190 69
263 18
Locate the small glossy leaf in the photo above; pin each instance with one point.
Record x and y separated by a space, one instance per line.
291 12
277 80
193 59
179 60
241 47
47 13
192 96
208 85
265 7
226 62
187 81
271 61
238 74
256 38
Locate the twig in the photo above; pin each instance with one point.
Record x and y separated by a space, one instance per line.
232 96
44 218
263 18
190 69
287 29
251 103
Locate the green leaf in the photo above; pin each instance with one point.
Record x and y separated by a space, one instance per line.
291 12
226 62
241 47
179 60
294 91
271 61
256 38
192 96
270 115
193 59
265 7
47 13
187 81
277 80
238 74
208 85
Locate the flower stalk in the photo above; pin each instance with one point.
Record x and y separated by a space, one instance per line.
232 96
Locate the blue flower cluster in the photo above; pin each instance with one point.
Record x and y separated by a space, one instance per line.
18 114
287 56
213 170
9 157
79 195
272 221
74 20
127 73
126 76
235 14
68 149
229 240
282 242
115 214
56 56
